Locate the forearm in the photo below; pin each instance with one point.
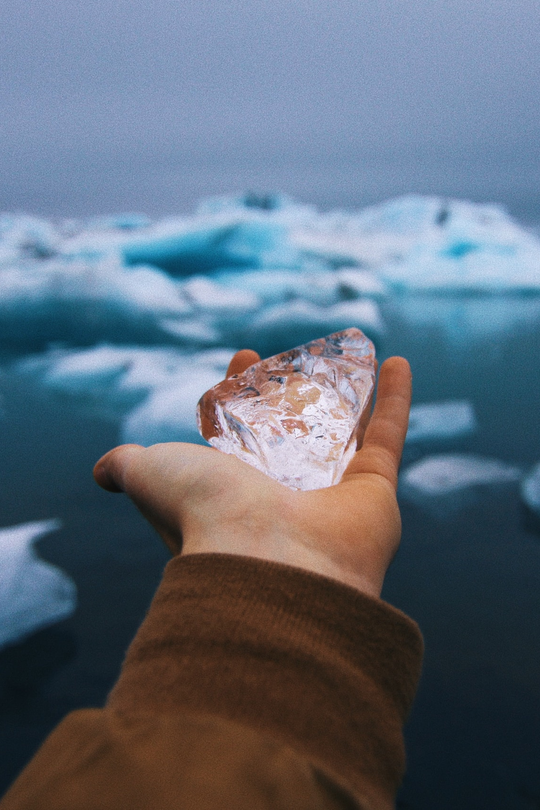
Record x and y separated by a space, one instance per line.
294 664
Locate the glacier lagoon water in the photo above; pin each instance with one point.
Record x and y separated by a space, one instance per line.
95 351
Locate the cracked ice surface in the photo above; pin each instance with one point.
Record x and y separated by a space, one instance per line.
295 416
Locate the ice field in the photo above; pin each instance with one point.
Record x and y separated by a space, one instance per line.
112 328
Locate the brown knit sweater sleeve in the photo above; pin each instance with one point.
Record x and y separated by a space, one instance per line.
250 684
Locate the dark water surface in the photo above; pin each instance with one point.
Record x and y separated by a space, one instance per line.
468 570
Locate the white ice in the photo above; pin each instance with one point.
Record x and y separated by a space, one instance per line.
251 270
152 392
33 593
441 420
430 244
530 489
448 473
296 322
168 413
83 302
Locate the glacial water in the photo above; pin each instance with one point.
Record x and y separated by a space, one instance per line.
468 569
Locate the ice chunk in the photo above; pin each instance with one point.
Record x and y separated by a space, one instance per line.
33 593
530 489
295 416
448 473
441 420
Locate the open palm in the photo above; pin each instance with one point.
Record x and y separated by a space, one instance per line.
203 501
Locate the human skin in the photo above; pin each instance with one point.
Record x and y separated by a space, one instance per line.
202 501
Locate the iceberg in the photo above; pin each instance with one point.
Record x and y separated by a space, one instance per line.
449 473
215 278
429 244
26 237
255 243
312 283
33 593
441 420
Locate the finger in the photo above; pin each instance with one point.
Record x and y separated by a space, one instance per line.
148 476
242 360
366 414
385 434
109 471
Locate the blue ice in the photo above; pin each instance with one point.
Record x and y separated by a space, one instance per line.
241 244
250 270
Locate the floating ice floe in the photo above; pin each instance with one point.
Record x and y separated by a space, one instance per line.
530 489
417 243
255 243
441 420
449 473
33 593
83 302
168 413
153 392
263 269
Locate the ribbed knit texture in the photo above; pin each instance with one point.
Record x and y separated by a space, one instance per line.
317 665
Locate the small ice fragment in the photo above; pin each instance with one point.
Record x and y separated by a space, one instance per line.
441 420
530 489
295 416
33 593
447 473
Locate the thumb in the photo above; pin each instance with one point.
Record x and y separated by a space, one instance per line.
155 478
109 471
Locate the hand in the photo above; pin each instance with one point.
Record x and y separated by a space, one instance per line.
203 501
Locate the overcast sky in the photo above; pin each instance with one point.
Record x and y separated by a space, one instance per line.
148 105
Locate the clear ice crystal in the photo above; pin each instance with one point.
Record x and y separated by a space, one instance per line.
295 416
